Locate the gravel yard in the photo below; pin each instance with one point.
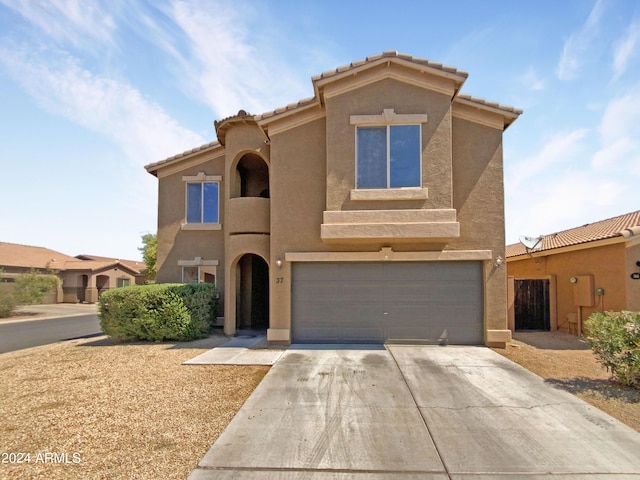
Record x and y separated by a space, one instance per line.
566 362
94 409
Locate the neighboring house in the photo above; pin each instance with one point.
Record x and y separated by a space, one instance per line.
82 277
372 212
571 274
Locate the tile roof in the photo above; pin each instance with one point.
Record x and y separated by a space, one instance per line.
26 256
307 102
15 255
132 264
152 167
621 226
390 54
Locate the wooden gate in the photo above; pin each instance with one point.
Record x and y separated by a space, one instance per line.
531 305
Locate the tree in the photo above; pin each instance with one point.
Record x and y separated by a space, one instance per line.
149 255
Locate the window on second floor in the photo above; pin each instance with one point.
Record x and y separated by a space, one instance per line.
203 201
388 156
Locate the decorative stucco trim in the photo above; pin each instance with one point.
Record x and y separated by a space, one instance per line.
198 262
387 117
202 177
387 254
498 336
201 226
278 334
384 194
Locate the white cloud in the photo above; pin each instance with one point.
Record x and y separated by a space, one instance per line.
70 21
578 46
560 148
531 80
564 200
140 127
625 49
619 133
226 66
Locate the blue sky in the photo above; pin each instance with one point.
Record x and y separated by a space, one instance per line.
92 91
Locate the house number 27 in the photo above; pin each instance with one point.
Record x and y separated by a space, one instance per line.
279 279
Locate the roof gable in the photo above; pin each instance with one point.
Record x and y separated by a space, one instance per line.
388 64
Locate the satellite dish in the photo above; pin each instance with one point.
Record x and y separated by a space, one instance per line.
531 243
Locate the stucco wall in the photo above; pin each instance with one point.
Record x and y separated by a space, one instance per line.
605 263
372 100
175 244
478 197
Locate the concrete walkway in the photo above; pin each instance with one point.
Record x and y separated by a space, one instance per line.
407 412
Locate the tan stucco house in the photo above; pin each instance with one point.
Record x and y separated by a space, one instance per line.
566 276
82 278
371 212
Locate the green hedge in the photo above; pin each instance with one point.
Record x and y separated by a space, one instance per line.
615 339
158 312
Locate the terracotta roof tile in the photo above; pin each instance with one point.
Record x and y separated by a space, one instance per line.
621 226
26 256
482 101
16 255
242 115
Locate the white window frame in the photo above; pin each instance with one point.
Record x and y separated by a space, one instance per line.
198 262
387 118
201 178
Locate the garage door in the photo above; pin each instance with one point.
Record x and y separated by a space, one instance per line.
421 302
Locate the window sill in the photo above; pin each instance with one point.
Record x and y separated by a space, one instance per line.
390 194
201 226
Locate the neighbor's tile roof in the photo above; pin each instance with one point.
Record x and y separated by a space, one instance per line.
26 256
132 264
622 225
15 255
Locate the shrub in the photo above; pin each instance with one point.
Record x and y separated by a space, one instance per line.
32 287
7 304
158 312
615 339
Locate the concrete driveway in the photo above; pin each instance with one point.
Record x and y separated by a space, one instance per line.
415 412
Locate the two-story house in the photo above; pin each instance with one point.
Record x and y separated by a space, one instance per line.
371 212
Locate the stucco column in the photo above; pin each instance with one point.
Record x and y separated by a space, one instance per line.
91 292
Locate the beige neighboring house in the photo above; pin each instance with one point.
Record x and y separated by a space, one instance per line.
571 274
83 277
371 212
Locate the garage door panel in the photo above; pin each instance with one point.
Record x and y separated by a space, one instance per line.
423 302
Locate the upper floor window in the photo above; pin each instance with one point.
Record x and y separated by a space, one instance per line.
389 156
203 202
388 150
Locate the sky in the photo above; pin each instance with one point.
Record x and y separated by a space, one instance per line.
92 91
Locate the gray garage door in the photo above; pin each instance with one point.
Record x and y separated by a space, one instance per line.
421 302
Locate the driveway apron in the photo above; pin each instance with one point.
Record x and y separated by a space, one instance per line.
409 412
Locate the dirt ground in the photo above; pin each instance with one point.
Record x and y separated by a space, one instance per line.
94 409
566 362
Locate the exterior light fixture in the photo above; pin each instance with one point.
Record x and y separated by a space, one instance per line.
279 263
499 261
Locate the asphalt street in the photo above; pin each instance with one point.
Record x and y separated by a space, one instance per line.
33 333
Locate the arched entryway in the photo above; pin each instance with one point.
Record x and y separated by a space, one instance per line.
252 292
